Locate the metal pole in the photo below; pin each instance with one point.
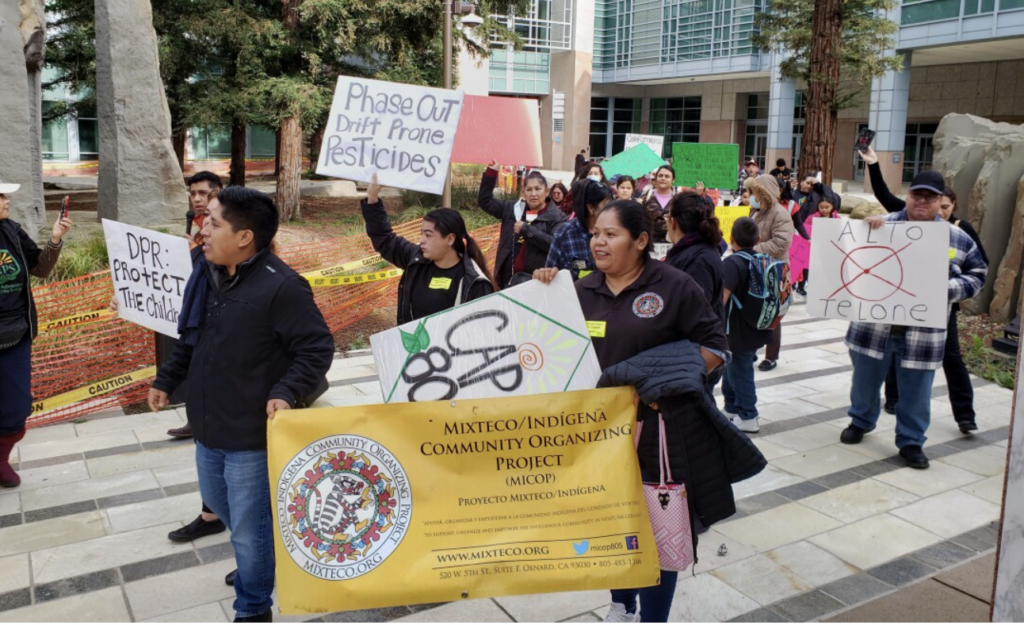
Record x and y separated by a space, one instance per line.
446 198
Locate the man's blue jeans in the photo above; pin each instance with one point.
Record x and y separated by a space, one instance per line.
655 601
236 487
914 410
738 386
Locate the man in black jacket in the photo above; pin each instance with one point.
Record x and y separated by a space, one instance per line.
253 343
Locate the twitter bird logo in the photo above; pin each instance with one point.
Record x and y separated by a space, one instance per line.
581 547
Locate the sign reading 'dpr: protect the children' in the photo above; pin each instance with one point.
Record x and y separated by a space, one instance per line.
714 164
403 133
149 270
526 340
896 274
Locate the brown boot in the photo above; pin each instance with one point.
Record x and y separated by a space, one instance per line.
8 478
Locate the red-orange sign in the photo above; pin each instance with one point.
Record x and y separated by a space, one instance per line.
506 130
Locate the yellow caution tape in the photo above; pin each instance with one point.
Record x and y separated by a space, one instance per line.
349 266
361 278
96 389
73 320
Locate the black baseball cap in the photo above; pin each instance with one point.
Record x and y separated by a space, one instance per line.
930 180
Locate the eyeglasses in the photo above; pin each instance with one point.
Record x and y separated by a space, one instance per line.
925 197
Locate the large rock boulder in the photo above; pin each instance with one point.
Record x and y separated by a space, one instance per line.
865 208
22 44
959 125
992 204
140 181
1007 283
960 163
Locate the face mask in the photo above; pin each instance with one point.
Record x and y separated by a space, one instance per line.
594 178
753 203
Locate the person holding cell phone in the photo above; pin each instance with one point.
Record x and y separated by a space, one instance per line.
19 258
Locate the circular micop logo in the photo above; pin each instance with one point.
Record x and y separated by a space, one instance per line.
648 305
344 506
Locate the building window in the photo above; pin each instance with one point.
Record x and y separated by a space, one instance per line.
88 135
755 145
918 149
676 119
521 73
799 119
211 143
611 119
916 12
262 142
55 135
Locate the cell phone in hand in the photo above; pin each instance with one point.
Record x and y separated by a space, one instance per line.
864 139
64 206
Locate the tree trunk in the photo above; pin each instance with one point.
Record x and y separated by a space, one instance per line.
818 145
314 145
237 170
290 175
178 141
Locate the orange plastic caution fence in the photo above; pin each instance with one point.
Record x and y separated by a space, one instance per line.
86 360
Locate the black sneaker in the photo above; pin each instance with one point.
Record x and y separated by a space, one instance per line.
966 427
767 365
889 408
229 579
197 529
914 456
266 617
853 434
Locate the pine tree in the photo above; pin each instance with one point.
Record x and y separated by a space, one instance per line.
837 47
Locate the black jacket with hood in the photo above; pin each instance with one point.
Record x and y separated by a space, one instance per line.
262 338
706 451
406 255
536 235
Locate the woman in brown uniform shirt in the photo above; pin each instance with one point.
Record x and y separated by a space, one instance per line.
633 303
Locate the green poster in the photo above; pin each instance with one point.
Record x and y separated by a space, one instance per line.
637 161
715 164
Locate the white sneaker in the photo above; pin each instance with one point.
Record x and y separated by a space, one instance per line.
617 614
750 426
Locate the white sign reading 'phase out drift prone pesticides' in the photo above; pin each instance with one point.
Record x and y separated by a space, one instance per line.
896 274
150 270
403 133
529 339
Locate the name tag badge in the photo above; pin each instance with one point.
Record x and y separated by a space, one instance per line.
952 253
596 328
441 284
585 273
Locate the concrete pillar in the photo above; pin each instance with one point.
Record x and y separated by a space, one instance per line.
887 116
22 42
781 102
572 73
140 181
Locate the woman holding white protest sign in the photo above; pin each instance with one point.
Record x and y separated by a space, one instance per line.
446 269
19 257
527 226
653 328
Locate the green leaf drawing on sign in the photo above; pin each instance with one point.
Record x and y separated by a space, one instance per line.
717 165
422 338
637 161
418 341
409 342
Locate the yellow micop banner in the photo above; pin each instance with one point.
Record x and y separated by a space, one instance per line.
414 503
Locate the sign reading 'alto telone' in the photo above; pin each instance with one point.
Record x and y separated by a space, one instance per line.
403 133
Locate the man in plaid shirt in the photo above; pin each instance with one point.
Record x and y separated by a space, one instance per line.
916 351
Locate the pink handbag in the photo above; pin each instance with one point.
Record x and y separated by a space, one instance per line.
669 510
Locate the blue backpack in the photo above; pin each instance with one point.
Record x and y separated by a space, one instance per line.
767 298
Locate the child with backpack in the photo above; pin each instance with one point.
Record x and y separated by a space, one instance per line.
756 296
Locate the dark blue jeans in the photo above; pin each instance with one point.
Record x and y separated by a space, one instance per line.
235 486
655 601
738 387
15 386
914 409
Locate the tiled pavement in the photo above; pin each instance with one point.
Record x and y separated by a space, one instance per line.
825 527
